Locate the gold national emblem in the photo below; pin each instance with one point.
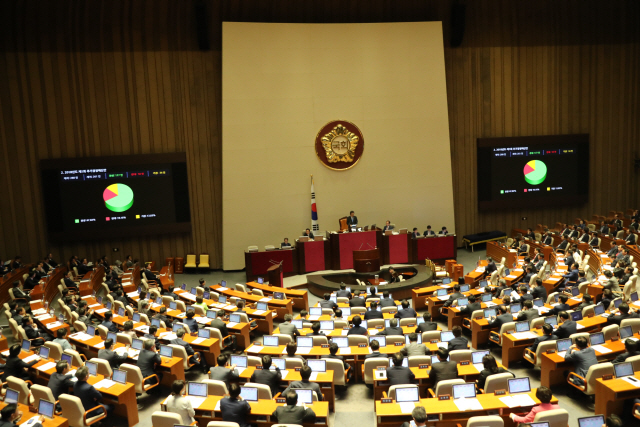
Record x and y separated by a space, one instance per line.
339 145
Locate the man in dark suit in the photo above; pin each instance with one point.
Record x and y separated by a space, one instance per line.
89 396
293 414
414 348
593 242
398 374
352 220
564 245
386 300
228 374
574 232
443 370
266 376
285 244
107 323
473 305
18 292
623 256
387 226
635 225
547 239
613 252
190 321
458 342
429 231
604 228
147 361
586 236
234 408
524 248
333 354
491 266
630 239
427 325
454 296
539 291
15 367
83 267
582 356
406 311
562 306
315 330
373 312
194 357
287 327
632 348
624 312
60 381
569 260
503 317
38 337
357 329
443 231
68 281
571 276
547 334
356 301
374 345
343 292
305 374
567 326
31 282
10 416
327 303
528 313
111 356
392 329
219 324
308 233
415 233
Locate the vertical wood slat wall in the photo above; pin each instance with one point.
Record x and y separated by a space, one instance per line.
82 79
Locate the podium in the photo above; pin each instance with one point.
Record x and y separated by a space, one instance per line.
275 275
366 261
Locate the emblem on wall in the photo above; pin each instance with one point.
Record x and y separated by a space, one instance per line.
339 145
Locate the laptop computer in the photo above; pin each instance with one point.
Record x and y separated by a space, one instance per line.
91 330
297 323
44 352
235 318
177 327
317 365
346 312
26 345
92 367
119 376
250 394
446 281
596 338
136 317
441 292
483 283
633 297
598 309
522 327
109 305
222 299
262 306
434 359
46 408
280 363
211 314
204 333
476 356
270 341
183 287
625 332
617 302
239 361
382 340
121 312
315 311
551 320
193 291
327 325
173 305
538 302
446 336
166 351
196 389
507 272
278 295
260 281
408 394
624 369
343 342
11 396
594 421
304 341
507 292
462 301
543 424
223 283
486 297
519 385
304 395
464 288
206 295
489 312
155 322
67 358
405 362
563 344
514 308
136 344
576 315
467 390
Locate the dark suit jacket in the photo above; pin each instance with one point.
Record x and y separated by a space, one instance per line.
617 320
357 302
147 360
89 396
454 296
460 343
220 373
186 345
400 375
387 302
341 358
539 292
470 308
443 371
569 261
490 268
373 314
548 240
558 308
406 313
306 385
294 415
352 220
392 331
343 293
192 324
268 377
485 373
538 340
220 325
565 330
112 327
624 356
426 326
59 384
30 283
357 330
581 360
112 357
235 411
500 320
374 354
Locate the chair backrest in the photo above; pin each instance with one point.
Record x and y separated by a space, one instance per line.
11 294
343 300
319 340
264 392
555 417
257 291
430 335
551 297
337 366
55 350
386 309
595 372
354 340
392 389
542 348
215 333
243 317
416 361
14 328
227 424
283 339
588 311
460 355
134 376
407 321
73 410
635 360
497 382
124 339
292 362
610 331
372 323
102 331
166 419
79 326
370 365
486 421
255 361
40 392
21 387
191 259
359 310
240 287
215 387
537 322
579 334
392 339
76 359
338 324
634 323
327 311
506 327
181 306
446 386
104 368
180 351
204 259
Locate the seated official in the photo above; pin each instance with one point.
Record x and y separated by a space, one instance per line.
287 328
152 335
89 396
147 361
31 281
490 367
392 329
326 302
443 370
611 283
418 418
60 381
234 408
429 232
178 404
406 311
333 354
393 276
195 357
528 313
415 233
227 374
504 316
266 376
374 345
10 415
632 348
285 244
19 315
18 292
473 305
414 348
305 374
561 306
337 315
308 233
343 292
544 395
458 342
356 329
454 296
373 312
586 302
15 367
567 326
293 414
427 325
191 322
387 300
539 291
128 329
315 330
387 226
398 374
114 359
582 356
38 337
107 323
291 349
443 231
352 220
357 301
490 267
199 303
621 313
547 334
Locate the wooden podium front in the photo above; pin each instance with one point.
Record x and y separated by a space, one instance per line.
275 275
366 261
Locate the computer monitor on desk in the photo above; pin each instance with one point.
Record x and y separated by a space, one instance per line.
407 394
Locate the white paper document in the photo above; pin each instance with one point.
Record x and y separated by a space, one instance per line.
231 324
633 381
314 317
99 345
43 317
259 312
255 349
314 376
524 335
102 310
30 358
94 305
168 336
143 328
203 320
523 399
81 336
303 350
284 374
47 366
198 340
344 350
265 299
601 349
53 325
478 366
222 289
406 407
468 404
105 383
196 401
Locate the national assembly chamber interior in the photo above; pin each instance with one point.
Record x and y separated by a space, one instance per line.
319 213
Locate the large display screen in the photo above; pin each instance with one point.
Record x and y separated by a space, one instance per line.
120 196
533 171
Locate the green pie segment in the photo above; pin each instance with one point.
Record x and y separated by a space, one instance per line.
118 197
535 172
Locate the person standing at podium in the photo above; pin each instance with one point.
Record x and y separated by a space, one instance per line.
308 234
285 244
387 226
352 220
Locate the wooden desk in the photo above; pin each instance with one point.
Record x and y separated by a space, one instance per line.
496 251
299 298
56 421
420 296
474 276
260 412
611 394
37 305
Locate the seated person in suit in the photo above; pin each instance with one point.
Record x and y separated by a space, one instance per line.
288 328
11 415
632 348
490 267
443 231
564 244
31 281
305 374
357 301
222 372
337 315
327 303
571 276
89 396
504 316
196 358
547 238
392 329
621 313
356 329
473 305
373 312
427 325
387 300
490 368
61 339
582 356
374 345
343 292
528 313
393 275
60 381
291 349
530 234
415 233
16 367
147 361
539 291
524 248
398 374
178 404
586 301
18 292
544 395
429 232
630 239
38 337
308 234
567 326
594 240
352 220
454 296
414 348
443 370
333 354
266 376
387 226
406 311
611 283
547 334
458 342
234 408
562 305
568 259
315 330
107 323
285 244
291 413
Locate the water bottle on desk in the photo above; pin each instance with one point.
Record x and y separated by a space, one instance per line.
46 305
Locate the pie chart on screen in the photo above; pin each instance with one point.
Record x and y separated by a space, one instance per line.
118 197
535 172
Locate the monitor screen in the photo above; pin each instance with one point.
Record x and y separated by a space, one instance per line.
595 421
326 325
519 385
482 283
346 311
173 305
563 344
136 317
538 302
91 330
343 342
239 361
363 324
223 283
434 359
120 376
446 281
315 311
166 351
93 368
121 196
507 271
67 358
270 341
222 299
280 363
406 339
206 295
46 408
446 336
625 332
297 323
576 315
634 296
159 300
407 394
489 312
112 336
596 338
462 301
44 352
317 365
155 322
441 292
204 333
211 314
465 288
250 394
304 395
109 305
476 356
624 369
598 309
382 340
99 299
26 345
405 362
617 302
467 390
260 280
11 396
419 320
177 327
136 344
514 308
121 312
235 318
262 306
543 424
197 389
522 326
507 292
486 297
193 291
183 287
278 295
551 320
304 341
